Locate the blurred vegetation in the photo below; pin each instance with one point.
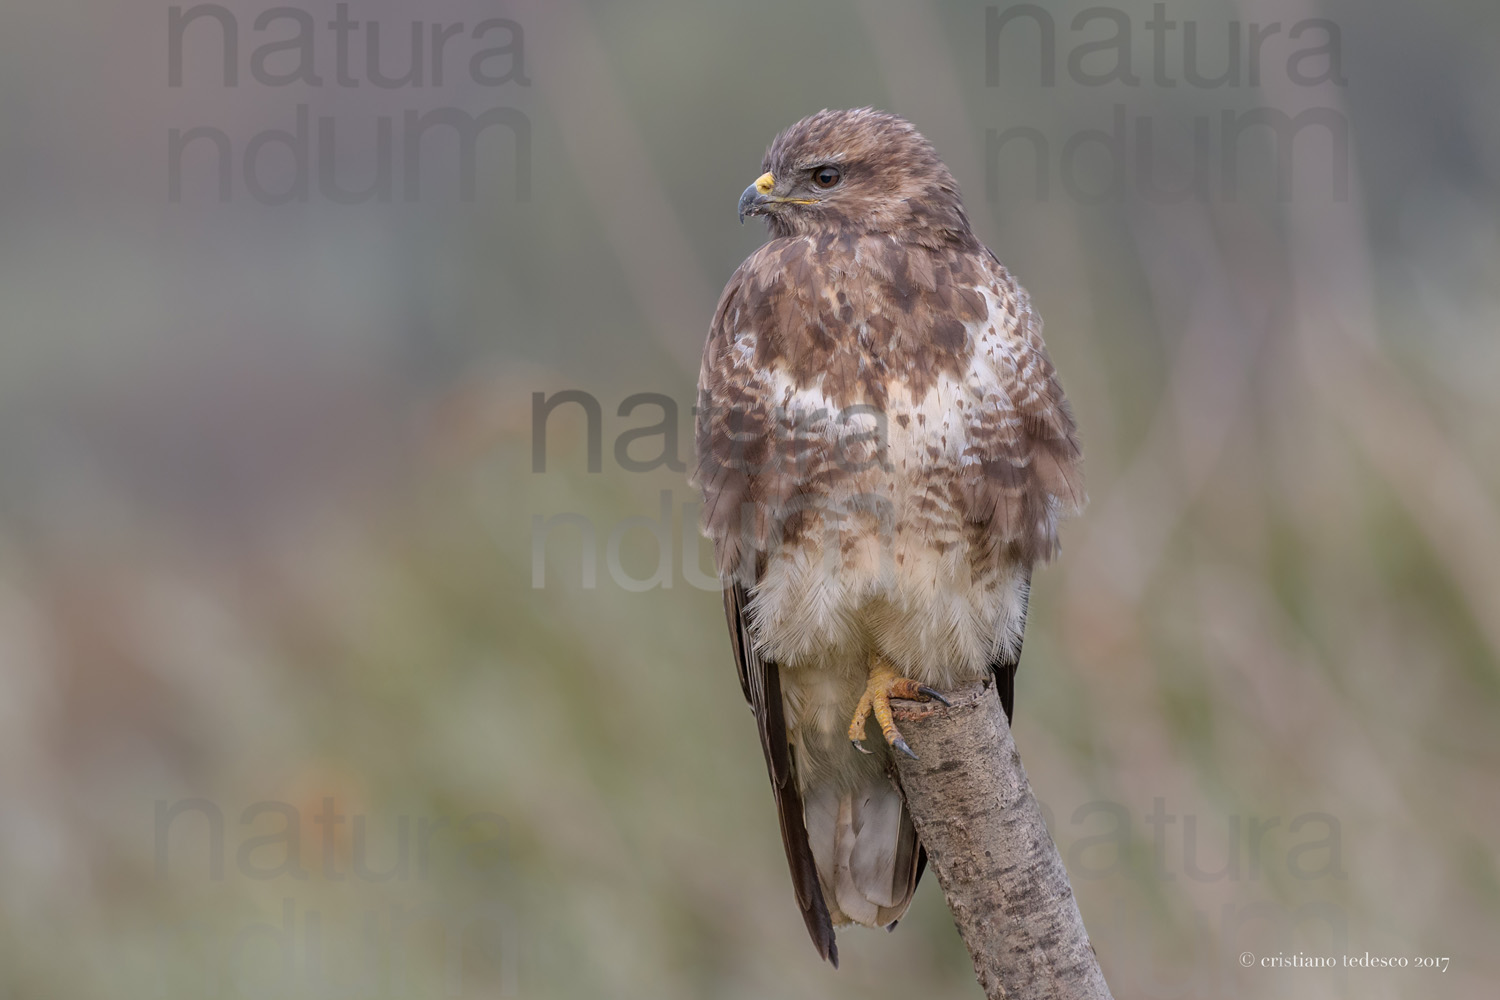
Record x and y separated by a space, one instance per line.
267 514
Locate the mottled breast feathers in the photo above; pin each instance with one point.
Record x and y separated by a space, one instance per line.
829 352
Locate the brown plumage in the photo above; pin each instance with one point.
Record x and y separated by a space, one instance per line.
884 452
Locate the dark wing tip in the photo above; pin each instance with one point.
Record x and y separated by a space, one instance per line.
1005 666
820 927
1005 682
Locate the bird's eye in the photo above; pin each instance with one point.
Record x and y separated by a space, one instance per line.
826 177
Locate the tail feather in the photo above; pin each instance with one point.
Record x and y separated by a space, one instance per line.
866 852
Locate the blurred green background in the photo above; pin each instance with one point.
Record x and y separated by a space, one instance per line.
291 706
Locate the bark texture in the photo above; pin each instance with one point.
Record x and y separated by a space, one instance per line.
991 851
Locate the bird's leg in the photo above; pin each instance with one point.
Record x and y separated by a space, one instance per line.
883 685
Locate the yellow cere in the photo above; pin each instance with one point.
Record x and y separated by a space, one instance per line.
764 183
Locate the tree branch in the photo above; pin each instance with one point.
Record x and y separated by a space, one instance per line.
983 831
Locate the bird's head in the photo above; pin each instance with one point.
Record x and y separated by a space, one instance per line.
862 171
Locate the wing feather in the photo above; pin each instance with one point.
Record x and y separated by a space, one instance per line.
1008 660
762 684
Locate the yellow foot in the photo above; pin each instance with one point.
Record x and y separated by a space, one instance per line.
885 684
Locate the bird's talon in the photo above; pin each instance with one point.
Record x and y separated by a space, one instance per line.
883 685
929 692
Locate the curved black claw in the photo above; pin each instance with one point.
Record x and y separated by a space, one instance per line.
900 744
929 692
860 747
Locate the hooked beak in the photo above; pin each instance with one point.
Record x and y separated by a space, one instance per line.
757 196
758 199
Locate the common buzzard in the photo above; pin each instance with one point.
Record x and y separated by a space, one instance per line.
884 452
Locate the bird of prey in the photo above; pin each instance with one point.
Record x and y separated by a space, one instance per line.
884 452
